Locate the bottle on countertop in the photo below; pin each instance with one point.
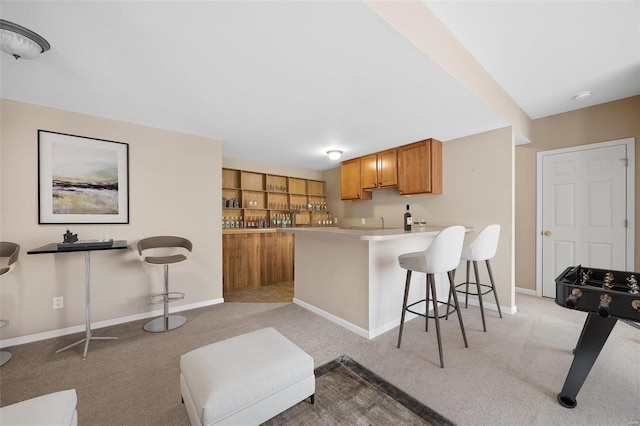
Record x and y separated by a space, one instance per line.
407 219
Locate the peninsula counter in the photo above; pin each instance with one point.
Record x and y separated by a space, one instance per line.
352 276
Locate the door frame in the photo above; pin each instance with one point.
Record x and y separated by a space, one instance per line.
631 179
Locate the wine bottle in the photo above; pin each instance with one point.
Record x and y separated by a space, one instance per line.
407 219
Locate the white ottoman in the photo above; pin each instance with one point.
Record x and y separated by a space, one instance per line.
58 408
245 380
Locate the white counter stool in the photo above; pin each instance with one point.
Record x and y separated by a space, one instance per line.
483 247
10 252
442 256
165 250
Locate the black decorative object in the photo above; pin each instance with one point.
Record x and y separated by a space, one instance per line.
69 237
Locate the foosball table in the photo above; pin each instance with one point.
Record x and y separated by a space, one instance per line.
607 296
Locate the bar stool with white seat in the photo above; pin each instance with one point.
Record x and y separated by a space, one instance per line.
168 250
442 256
483 247
9 251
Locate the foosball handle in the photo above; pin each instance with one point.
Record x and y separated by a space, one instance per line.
572 300
604 309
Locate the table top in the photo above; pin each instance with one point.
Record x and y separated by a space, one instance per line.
54 248
371 234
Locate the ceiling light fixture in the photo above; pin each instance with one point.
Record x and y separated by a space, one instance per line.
582 95
21 42
334 154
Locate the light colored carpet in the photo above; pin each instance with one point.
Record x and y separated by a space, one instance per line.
509 375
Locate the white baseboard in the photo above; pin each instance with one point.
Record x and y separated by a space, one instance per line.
324 314
101 324
488 305
369 334
526 291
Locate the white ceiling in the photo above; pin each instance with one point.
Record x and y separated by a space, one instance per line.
282 82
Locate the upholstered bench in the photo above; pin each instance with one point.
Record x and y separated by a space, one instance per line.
58 408
246 379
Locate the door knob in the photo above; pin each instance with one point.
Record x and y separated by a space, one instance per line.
547 233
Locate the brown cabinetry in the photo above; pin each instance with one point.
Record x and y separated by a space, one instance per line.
420 168
255 259
350 186
379 170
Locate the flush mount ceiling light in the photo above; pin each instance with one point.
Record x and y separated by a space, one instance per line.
21 42
582 95
334 154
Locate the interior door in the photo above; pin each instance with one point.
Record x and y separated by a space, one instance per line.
584 210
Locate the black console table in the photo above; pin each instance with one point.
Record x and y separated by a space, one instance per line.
87 248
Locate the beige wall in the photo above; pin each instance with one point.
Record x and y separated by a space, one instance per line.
600 123
478 191
273 169
174 189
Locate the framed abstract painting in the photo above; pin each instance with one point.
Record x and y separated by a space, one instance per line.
82 180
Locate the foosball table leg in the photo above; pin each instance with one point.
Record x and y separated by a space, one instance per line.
595 333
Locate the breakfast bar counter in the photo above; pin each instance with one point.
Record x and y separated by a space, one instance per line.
352 276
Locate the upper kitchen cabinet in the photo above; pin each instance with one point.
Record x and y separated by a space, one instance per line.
420 168
350 187
379 170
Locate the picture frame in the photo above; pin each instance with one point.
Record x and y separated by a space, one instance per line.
82 180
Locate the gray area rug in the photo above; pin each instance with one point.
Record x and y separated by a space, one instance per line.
349 394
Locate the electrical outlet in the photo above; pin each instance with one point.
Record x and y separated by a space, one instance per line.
362 221
58 302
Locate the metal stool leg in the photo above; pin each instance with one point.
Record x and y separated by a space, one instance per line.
451 291
455 300
475 270
404 305
495 293
431 281
426 304
466 288
166 322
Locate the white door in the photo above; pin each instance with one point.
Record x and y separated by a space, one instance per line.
584 216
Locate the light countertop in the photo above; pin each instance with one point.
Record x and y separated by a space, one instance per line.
372 234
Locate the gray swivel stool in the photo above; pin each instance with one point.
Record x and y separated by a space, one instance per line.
165 250
442 256
483 247
11 252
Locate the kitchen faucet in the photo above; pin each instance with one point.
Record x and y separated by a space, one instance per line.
382 221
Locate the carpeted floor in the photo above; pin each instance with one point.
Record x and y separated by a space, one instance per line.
274 293
509 375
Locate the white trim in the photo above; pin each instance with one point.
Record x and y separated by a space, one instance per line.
526 291
490 306
370 334
30 338
631 176
324 314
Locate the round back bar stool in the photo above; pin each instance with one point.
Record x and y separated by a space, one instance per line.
442 256
483 247
170 250
10 252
